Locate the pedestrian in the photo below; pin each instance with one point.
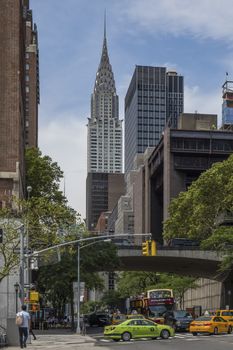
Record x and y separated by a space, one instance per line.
23 322
32 333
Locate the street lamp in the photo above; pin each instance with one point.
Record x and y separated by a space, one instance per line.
29 190
16 286
77 242
78 330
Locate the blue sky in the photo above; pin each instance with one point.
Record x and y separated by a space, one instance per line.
194 37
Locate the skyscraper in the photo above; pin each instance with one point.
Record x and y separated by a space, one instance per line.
18 94
154 99
104 144
105 181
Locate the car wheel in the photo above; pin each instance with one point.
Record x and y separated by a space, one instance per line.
194 333
215 331
229 330
165 334
126 336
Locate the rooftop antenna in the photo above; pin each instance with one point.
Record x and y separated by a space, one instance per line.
105 24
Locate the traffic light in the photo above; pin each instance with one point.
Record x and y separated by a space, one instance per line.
1 235
145 248
153 248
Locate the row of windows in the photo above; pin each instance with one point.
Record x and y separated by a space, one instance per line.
150 114
151 100
205 144
151 93
147 108
151 87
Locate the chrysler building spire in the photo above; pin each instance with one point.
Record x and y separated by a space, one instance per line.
104 78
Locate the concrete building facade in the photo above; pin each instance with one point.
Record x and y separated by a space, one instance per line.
178 160
16 37
102 193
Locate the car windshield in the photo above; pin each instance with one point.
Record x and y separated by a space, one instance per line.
227 313
182 313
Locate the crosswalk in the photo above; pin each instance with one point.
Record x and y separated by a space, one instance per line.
178 336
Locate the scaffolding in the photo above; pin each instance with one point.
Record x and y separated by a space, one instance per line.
227 105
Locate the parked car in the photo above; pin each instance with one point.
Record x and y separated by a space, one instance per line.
138 328
98 319
210 325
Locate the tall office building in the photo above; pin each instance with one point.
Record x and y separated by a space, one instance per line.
154 99
104 143
18 94
105 181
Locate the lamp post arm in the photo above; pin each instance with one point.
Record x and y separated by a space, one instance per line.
86 239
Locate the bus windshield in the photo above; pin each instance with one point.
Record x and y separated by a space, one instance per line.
160 293
157 311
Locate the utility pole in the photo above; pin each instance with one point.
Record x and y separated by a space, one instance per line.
78 294
21 264
29 190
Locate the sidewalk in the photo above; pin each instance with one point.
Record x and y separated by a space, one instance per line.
59 341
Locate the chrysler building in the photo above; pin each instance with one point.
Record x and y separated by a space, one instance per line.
104 139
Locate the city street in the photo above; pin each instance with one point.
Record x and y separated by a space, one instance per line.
95 340
181 341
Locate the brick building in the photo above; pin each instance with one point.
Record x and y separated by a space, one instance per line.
19 94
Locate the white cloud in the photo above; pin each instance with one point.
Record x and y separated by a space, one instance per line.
198 100
64 139
201 18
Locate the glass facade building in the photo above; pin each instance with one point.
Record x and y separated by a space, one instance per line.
154 99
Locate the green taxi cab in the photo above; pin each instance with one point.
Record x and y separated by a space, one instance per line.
138 328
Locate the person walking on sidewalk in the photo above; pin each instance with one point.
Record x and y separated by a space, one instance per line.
24 326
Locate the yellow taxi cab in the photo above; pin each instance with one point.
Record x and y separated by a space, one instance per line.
133 316
118 318
210 324
225 314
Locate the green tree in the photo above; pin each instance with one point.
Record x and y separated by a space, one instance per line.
134 283
195 213
43 215
44 176
56 281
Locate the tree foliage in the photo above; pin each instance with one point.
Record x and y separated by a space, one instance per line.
44 176
42 215
57 280
196 213
135 283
